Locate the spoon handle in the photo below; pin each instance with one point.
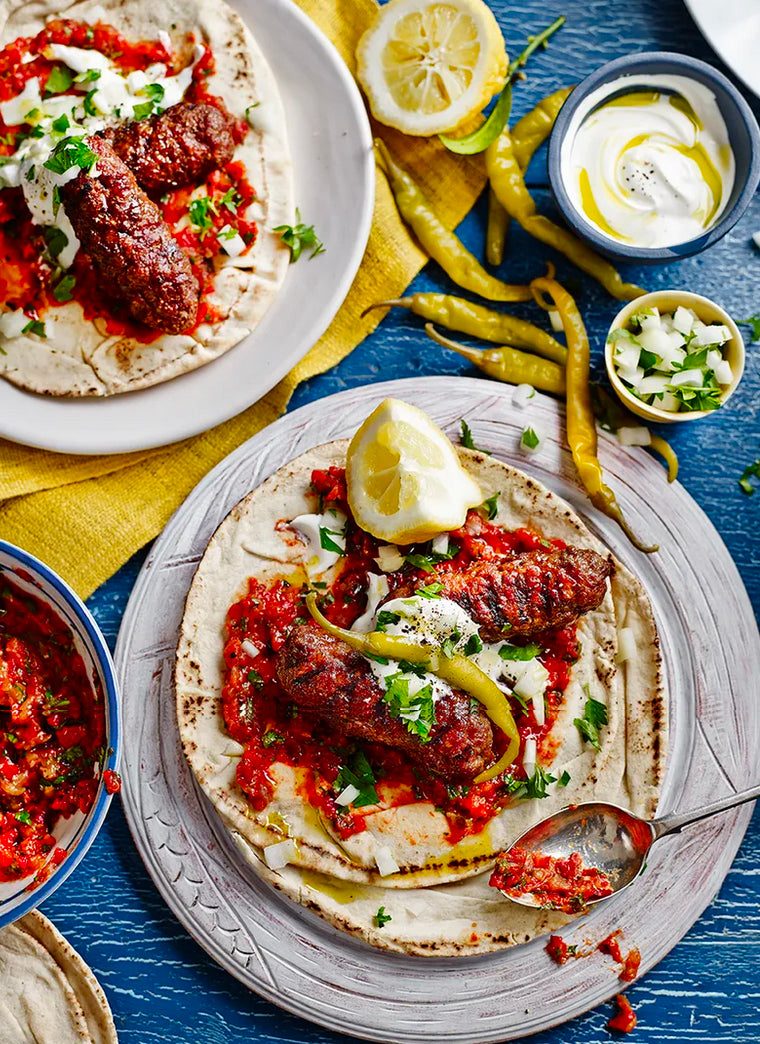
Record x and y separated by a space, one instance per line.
674 823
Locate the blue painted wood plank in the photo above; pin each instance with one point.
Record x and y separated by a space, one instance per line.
162 986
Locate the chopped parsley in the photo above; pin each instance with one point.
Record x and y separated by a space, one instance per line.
381 918
34 326
271 737
88 76
200 211
327 543
594 717
519 652
89 105
71 152
529 438
255 678
417 711
754 322
62 124
473 645
564 779
358 773
377 659
427 559
385 617
299 237
64 288
467 440
59 81
535 785
231 200
22 817
449 645
432 590
751 471
491 506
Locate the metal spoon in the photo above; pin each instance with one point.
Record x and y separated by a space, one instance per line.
609 838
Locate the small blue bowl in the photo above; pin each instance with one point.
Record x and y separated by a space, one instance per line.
76 833
743 132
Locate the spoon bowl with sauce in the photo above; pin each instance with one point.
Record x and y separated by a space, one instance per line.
654 157
587 852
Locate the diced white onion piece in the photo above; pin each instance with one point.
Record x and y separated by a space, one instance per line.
15 109
347 795
249 648
627 358
653 385
529 756
687 379
756 239
713 359
281 853
677 340
711 335
626 645
649 319
655 340
386 864
723 372
522 395
556 321
634 436
440 543
633 377
389 558
683 320
12 323
668 402
529 678
539 708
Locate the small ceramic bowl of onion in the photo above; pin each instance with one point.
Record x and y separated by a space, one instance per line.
674 356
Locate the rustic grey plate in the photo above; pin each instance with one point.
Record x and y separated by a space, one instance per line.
711 650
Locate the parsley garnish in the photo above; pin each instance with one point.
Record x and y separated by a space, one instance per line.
142 111
449 645
491 506
418 710
564 779
430 590
64 288
59 81
754 322
529 438
154 91
62 124
535 786
231 200
385 617
89 105
88 76
427 560
473 645
327 543
519 652
594 716
751 471
271 737
467 440
381 918
23 817
407 667
71 152
200 211
255 679
34 326
299 237
358 773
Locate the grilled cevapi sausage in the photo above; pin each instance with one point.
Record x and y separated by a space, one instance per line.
530 593
178 147
132 250
330 680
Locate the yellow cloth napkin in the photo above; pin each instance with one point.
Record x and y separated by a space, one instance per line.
85 516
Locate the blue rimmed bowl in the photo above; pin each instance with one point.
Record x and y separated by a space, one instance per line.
76 833
743 132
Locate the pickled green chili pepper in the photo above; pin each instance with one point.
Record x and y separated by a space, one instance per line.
496 230
455 313
612 416
527 135
508 183
438 242
668 454
581 422
507 364
457 670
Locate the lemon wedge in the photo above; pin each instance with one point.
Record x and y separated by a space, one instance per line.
405 482
429 67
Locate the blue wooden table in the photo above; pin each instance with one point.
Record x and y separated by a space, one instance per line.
162 987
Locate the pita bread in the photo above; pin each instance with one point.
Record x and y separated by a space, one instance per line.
77 358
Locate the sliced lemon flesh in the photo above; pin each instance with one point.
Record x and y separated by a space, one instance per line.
429 67
405 481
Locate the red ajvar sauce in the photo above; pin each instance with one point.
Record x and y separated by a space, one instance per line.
26 276
52 733
559 951
258 715
557 884
625 1020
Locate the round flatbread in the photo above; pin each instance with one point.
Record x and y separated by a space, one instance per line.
48 995
339 877
77 357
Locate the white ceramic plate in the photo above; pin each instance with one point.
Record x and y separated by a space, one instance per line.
732 28
711 652
334 171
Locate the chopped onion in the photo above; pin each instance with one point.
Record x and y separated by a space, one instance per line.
521 396
668 402
529 756
711 335
634 436
12 323
249 648
713 359
683 320
539 708
628 358
440 543
723 372
657 340
688 379
626 645
348 795
653 385
556 321
389 558
281 853
386 864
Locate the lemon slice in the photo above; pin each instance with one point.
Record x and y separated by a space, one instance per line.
405 482
430 67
